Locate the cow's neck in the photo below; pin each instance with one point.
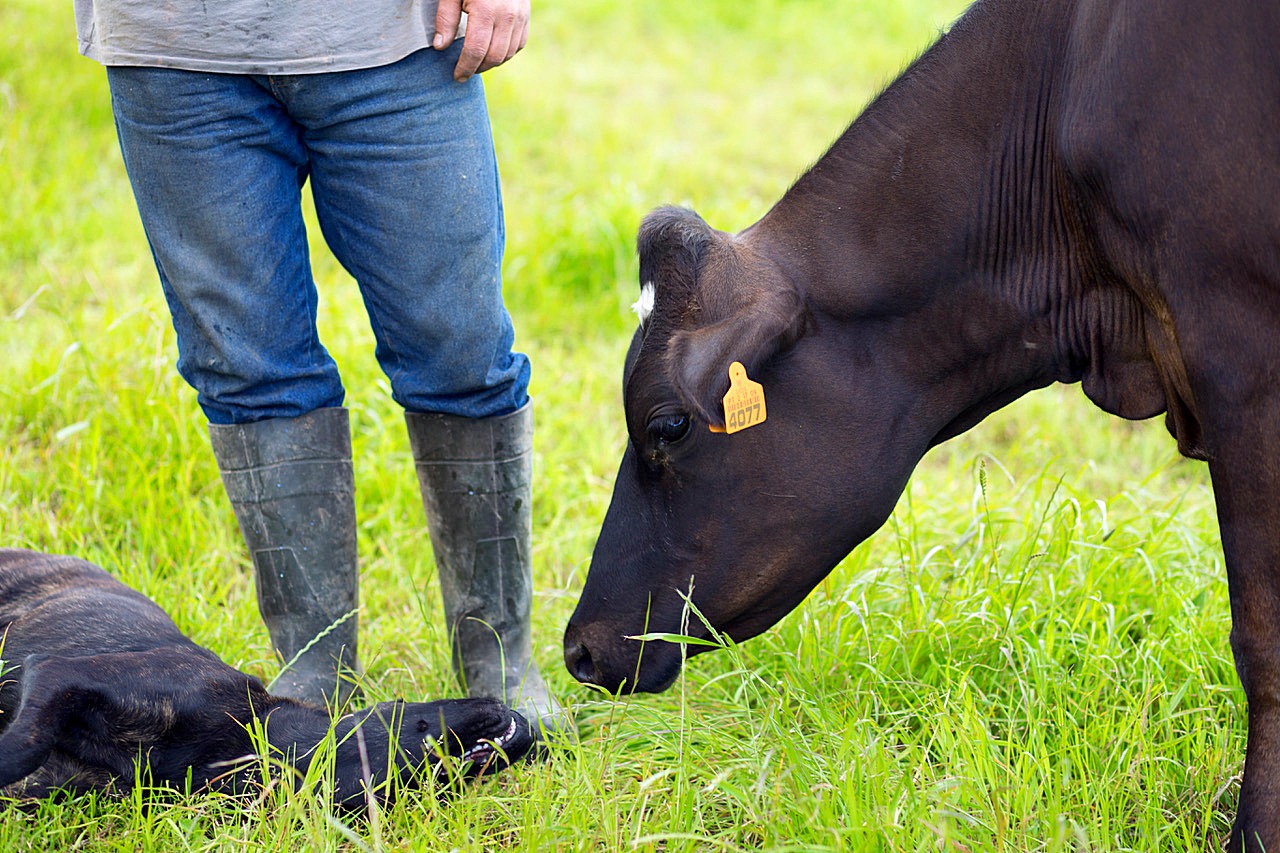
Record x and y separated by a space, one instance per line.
940 223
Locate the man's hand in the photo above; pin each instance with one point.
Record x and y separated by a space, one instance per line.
496 30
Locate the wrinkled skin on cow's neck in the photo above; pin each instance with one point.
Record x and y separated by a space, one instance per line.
1055 192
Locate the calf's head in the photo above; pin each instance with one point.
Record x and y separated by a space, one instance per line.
391 746
745 524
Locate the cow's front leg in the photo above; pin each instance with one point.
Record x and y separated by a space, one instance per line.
32 734
1246 482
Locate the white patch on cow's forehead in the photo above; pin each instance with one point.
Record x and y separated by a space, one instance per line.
644 305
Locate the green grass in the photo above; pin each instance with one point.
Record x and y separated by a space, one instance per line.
1031 655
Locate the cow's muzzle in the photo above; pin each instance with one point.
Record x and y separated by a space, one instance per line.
595 654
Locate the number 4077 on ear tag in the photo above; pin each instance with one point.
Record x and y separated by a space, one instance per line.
744 404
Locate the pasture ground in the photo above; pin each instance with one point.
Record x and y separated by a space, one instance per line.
1031 655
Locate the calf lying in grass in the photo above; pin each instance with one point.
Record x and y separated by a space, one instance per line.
98 682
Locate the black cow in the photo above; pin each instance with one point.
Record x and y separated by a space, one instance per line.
1056 191
96 680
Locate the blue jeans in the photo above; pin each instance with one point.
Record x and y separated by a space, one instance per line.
406 191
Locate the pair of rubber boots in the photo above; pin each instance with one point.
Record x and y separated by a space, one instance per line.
291 483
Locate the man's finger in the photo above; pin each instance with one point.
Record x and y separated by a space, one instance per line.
475 47
524 36
448 16
501 48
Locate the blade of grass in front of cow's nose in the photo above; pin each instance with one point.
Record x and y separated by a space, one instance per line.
683 639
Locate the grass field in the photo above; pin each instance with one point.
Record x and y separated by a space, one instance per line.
1031 655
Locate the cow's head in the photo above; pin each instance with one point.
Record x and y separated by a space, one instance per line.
747 522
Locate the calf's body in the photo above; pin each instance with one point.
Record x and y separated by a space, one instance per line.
97 681
1056 191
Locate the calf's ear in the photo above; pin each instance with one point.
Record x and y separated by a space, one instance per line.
698 359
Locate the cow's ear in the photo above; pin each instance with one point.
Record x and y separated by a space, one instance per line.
698 359
672 244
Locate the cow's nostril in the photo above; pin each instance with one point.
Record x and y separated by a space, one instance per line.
577 659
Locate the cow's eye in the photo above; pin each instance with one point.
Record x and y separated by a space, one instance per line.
670 428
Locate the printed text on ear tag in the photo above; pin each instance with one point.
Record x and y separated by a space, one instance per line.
744 404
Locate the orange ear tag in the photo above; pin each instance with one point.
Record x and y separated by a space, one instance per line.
744 404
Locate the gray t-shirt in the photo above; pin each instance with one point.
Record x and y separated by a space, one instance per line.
254 36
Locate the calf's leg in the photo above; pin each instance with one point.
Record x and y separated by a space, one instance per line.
33 733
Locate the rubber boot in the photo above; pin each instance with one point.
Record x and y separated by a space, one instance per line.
291 483
476 477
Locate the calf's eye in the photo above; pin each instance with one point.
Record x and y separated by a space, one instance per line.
670 428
